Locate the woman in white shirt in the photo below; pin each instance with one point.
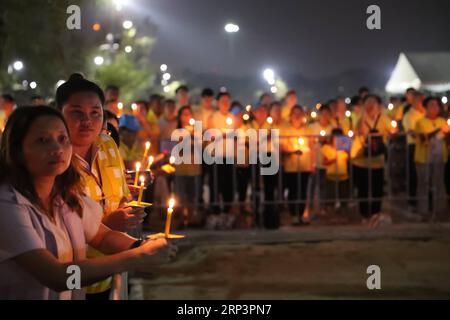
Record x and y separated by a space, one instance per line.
45 220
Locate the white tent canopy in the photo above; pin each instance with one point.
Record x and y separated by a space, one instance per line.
425 71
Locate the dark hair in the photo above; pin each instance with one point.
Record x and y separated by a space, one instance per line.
182 87
297 107
374 96
221 94
7 97
355 100
76 83
324 108
13 171
171 101
180 111
273 104
410 89
291 92
36 97
154 97
265 94
112 87
107 114
337 132
363 89
429 99
207 92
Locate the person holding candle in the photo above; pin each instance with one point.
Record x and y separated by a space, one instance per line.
369 156
322 130
187 176
221 184
298 162
339 118
414 113
46 220
290 100
430 157
102 169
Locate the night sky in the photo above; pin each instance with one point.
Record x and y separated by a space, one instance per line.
313 38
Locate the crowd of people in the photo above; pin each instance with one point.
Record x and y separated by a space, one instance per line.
67 172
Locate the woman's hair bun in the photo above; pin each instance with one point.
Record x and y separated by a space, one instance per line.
76 77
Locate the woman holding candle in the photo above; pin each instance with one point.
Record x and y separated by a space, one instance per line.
298 162
45 219
102 169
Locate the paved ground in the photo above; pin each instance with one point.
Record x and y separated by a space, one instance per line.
323 262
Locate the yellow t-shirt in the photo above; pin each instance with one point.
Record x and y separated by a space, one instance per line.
338 170
289 141
357 154
423 148
343 123
315 128
106 184
409 122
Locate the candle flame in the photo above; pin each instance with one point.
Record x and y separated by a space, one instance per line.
138 166
313 114
394 124
134 107
150 160
229 121
142 178
191 122
269 120
448 122
147 145
248 108
390 106
172 160
301 141
120 105
348 114
350 133
322 133
246 117
171 203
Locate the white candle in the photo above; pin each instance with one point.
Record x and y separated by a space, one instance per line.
141 190
150 162
138 167
169 217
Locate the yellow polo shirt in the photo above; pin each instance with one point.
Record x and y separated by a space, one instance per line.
422 150
343 123
106 184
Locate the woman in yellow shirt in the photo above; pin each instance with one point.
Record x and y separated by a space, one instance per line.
430 157
297 162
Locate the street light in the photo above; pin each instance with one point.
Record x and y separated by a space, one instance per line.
99 60
33 85
269 75
127 24
128 49
18 65
166 76
231 28
163 67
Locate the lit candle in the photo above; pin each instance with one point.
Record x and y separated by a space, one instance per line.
138 167
246 117
229 121
141 190
269 120
350 133
348 114
390 107
313 114
248 108
150 162
147 147
169 217
323 133
301 141
394 124
318 106
172 160
134 107
120 108
191 122
448 122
